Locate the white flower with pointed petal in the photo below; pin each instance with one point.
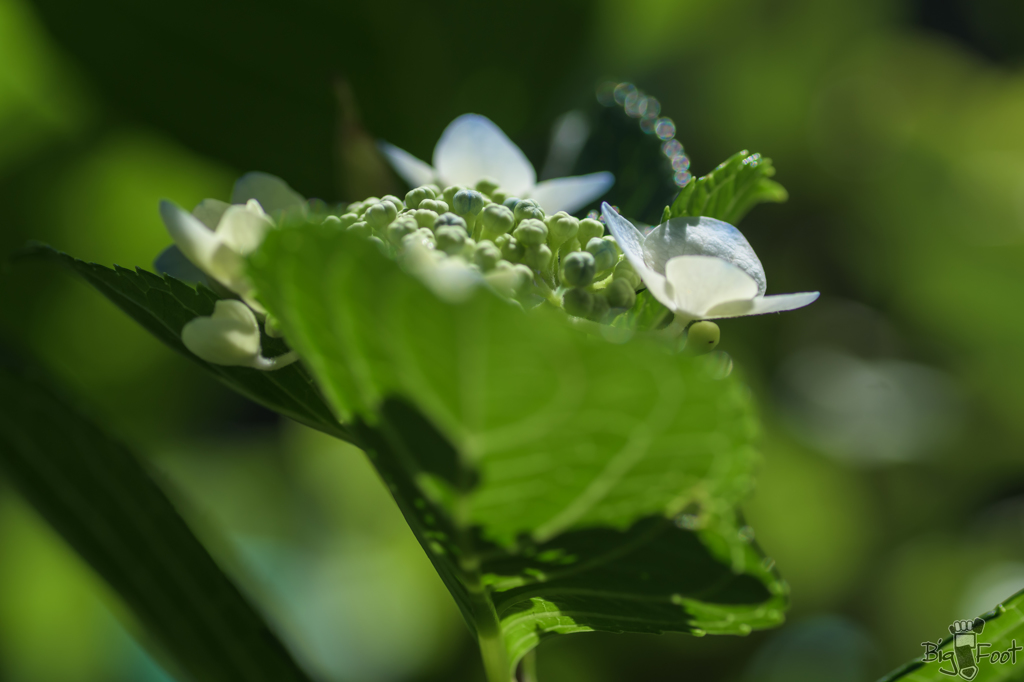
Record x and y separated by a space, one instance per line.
217 235
218 249
700 268
231 336
473 148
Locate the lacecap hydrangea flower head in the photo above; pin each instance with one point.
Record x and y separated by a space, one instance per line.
459 237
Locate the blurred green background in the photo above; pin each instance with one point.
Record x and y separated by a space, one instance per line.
892 489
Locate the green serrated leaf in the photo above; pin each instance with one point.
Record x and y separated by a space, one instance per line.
164 304
98 496
540 469
1003 633
730 190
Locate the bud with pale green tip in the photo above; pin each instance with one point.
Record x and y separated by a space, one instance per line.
486 256
620 294
509 280
578 269
449 193
380 215
604 254
578 302
451 220
399 204
435 205
589 229
528 210
362 228
702 337
538 257
561 228
624 271
400 228
496 220
600 308
487 186
531 232
450 238
347 219
415 196
511 249
423 236
424 217
511 202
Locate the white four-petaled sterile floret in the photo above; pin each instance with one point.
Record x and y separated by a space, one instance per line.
473 150
700 268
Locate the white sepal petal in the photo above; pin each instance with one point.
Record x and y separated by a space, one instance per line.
231 336
274 194
472 148
702 282
242 228
572 193
702 237
763 305
408 167
629 239
210 211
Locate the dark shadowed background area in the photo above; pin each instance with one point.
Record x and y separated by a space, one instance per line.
892 489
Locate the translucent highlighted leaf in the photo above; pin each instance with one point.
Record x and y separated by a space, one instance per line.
558 483
995 654
730 190
163 304
98 496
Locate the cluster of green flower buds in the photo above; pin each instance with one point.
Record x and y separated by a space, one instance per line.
511 243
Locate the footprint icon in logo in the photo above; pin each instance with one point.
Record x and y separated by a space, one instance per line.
965 634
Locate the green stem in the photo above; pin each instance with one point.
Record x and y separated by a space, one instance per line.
528 667
492 644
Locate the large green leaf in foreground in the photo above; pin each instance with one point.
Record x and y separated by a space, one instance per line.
558 482
729 191
163 305
1003 631
101 500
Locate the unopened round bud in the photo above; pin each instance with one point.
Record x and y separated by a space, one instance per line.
578 302
578 269
347 219
424 217
401 227
486 256
451 220
399 204
379 243
624 271
589 229
538 257
531 232
604 254
511 203
509 280
611 240
415 196
380 214
511 250
487 186
599 310
361 228
497 220
702 337
498 196
450 238
569 247
435 205
423 235
449 193
620 294
528 209
561 228
468 202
